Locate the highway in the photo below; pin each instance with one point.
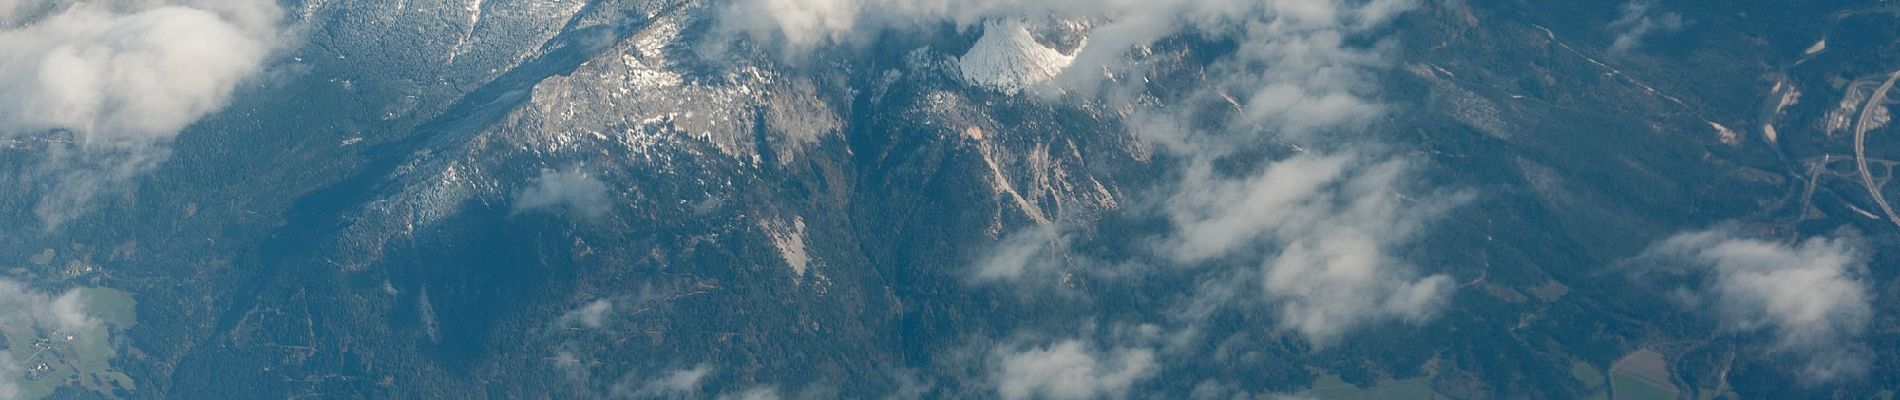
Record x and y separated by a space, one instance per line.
1877 99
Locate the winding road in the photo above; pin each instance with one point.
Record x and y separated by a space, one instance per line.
1877 99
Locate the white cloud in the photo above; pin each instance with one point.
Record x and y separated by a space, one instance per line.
1811 297
592 315
910 386
21 306
1330 224
1639 21
1070 370
122 78
1327 220
9 389
683 381
574 190
1024 253
799 25
671 385
571 363
756 393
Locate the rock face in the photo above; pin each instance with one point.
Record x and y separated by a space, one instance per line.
616 199
1008 58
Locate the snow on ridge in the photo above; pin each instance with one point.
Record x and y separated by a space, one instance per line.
1008 58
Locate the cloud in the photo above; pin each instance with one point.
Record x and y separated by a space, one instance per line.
671 385
910 386
1811 297
45 314
756 393
1330 224
574 190
9 389
1070 370
109 83
1327 220
567 361
22 306
1639 21
683 381
800 25
592 315
1027 252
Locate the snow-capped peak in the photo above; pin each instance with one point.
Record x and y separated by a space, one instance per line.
1008 58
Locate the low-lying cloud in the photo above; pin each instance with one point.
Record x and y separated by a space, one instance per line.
1022 254
1640 20
1326 220
800 25
679 383
45 314
1070 369
1329 226
1811 297
754 393
107 84
573 190
592 315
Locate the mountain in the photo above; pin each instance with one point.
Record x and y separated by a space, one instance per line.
950 199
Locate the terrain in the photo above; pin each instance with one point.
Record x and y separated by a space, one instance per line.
625 198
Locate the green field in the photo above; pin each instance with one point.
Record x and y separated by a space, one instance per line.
1588 374
1629 388
1591 378
59 359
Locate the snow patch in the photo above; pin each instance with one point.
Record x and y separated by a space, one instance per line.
1008 58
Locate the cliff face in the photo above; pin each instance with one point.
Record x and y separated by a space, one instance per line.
626 198
708 206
